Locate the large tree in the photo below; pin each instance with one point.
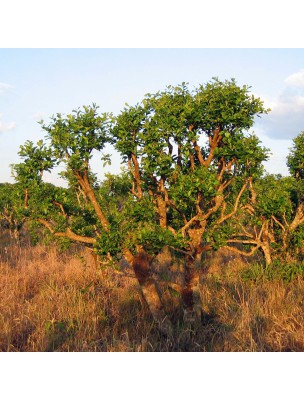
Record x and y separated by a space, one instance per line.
191 160
184 150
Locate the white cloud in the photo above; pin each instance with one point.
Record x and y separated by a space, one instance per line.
296 79
5 127
286 119
289 105
4 87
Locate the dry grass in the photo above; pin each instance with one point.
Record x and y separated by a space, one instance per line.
52 301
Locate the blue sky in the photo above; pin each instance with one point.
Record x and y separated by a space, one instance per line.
37 83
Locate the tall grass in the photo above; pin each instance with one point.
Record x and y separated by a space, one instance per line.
53 301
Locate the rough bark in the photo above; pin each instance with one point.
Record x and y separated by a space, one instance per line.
141 267
162 212
267 239
91 196
86 187
267 252
298 219
191 292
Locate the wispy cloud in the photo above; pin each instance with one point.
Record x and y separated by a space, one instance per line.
4 87
5 127
286 119
38 116
296 79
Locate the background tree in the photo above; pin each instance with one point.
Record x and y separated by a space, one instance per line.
12 211
84 212
73 140
274 216
36 159
295 160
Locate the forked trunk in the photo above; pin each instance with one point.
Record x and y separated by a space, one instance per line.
191 293
142 271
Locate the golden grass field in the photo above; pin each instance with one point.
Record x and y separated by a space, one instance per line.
60 301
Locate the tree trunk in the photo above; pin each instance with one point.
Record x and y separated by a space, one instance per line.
89 192
267 252
191 293
91 196
150 292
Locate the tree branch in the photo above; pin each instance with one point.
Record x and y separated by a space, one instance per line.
279 223
236 204
67 234
243 253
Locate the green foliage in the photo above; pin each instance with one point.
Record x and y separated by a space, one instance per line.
178 116
169 134
128 130
111 242
153 238
75 136
295 160
217 237
276 271
37 159
185 186
228 106
247 152
274 196
13 213
70 177
270 218
114 191
188 152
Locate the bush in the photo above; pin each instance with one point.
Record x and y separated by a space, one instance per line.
276 271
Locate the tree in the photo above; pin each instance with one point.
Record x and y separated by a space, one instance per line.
37 159
191 160
184 149
73 139
12 211
295 160
262 223
274 217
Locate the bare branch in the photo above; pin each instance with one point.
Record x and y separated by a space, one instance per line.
67 234
285 220
61 208
198 153
235 208
198 200
279 223
243 253
214 141
197 217
242 241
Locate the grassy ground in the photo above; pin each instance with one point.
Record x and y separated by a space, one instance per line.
53 301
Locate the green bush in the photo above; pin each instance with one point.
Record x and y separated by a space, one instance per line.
276 271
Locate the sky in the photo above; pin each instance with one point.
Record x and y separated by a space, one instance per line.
38 83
